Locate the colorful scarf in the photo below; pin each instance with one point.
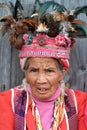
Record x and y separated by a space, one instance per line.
57 116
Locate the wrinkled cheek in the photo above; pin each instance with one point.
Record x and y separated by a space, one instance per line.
55 82
35 92
30 80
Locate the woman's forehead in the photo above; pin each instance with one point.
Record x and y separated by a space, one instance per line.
42 61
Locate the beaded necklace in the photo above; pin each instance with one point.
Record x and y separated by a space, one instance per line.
57 115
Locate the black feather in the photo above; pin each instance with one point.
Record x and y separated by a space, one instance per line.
16 8
79 10
11 7
37 6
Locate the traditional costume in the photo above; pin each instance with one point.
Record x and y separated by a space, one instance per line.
43 35
18 112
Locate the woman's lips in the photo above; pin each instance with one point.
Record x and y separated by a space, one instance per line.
42 90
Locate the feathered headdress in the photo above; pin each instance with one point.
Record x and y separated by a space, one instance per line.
51 25
60 20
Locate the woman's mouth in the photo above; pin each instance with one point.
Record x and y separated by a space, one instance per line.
42 90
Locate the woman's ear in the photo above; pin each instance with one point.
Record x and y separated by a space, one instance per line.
25 73
64 71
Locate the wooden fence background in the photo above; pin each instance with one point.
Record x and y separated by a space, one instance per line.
10 72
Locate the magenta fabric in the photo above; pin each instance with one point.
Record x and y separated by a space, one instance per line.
32 51
45 108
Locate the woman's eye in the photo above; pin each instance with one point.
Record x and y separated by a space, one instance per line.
49 70
33 70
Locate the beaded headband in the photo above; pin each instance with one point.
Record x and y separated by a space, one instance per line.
45 46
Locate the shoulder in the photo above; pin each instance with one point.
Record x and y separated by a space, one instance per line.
81 97
5 96
6 111
5 100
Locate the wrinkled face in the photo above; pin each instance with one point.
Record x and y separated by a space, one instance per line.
43 76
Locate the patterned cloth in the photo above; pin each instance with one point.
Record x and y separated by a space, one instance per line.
44 46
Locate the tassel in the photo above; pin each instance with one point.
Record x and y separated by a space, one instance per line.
24 84
62 84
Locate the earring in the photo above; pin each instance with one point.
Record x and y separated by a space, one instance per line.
24 83
62 84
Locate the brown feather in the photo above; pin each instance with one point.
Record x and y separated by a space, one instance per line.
19 42
6 26
79 22
30 23
52 25
16 41
12 39
19 28
59 17
78 31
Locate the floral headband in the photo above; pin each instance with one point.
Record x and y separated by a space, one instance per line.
42 45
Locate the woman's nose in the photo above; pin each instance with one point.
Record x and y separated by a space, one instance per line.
41 78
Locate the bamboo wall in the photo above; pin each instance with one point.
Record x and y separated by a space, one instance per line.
10 72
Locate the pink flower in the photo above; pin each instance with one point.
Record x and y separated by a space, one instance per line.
25 37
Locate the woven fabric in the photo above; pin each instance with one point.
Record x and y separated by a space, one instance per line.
20 98
44 46
35 51
71 109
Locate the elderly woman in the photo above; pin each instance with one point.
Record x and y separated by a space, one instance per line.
42 102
